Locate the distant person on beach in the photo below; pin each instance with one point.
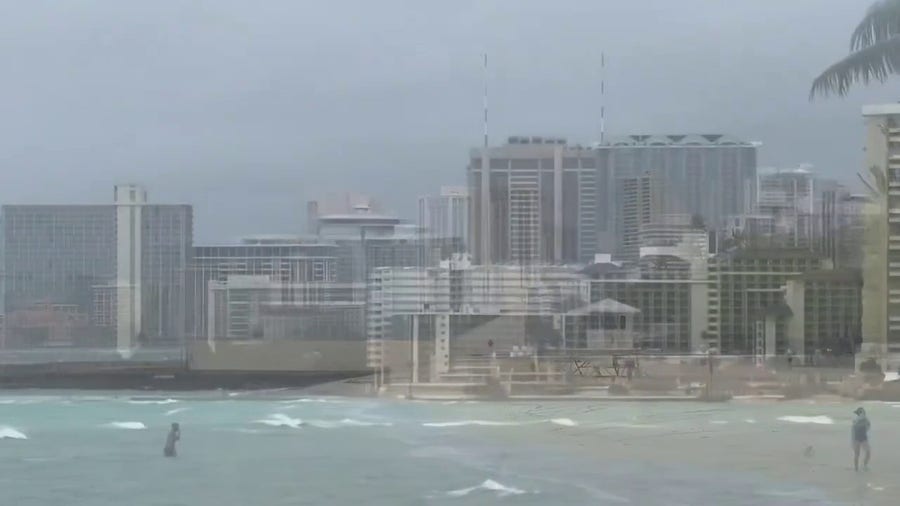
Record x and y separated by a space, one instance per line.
171 439
860 435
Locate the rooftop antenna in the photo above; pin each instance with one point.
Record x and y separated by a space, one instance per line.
485 101
602 97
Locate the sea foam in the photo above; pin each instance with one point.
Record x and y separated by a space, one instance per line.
11 433
464 423
281 420
820 420
127 425
152 401
487 485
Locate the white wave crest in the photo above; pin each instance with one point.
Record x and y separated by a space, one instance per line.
821 419
347 422
487 485
176 411
127 425
464 423
152 401
21 401
318 400
11 433
566 422
281 420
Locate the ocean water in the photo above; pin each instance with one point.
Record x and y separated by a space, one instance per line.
281 448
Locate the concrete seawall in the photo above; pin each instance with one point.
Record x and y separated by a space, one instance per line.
294 356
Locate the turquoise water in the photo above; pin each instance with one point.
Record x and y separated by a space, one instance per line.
285 449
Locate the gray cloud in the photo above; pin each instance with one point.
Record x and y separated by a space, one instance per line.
247 109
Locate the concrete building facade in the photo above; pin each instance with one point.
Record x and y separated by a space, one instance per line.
746 293
881 263
639 201
116 272
510 298
445 215
711 176
533 200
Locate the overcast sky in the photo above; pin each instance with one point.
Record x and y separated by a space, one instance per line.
248 109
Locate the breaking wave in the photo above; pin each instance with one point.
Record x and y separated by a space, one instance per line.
820 420
488 485
127 425
152 401
11 433
464 423
319 400
347 422
281 420
565 422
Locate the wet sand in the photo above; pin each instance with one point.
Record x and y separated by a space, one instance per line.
748 437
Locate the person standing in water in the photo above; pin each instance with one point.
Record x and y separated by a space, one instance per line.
171 439
860 435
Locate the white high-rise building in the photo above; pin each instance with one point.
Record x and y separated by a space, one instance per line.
881 257
447 214
129 202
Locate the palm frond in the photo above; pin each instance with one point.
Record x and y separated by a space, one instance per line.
875 62
882 21
880 179
868 185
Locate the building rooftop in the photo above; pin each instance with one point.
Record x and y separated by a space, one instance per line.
881 109
600 269
606 306
674 140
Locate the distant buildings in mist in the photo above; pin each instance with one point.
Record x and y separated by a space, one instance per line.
672 243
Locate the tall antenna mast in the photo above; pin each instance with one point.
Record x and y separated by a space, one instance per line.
602 97
485 101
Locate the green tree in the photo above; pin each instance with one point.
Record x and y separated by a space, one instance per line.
874 52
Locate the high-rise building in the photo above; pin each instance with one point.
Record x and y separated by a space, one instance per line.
541 200
794 189
639 201
117 273
534 199
710 176
789 197
55 257
445 215
843 227
881 260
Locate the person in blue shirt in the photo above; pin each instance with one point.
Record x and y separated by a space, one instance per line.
860 437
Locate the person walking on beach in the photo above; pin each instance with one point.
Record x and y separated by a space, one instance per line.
860 435
171 439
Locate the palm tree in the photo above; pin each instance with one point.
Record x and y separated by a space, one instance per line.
874 52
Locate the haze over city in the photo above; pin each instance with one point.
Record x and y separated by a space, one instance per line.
268 105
